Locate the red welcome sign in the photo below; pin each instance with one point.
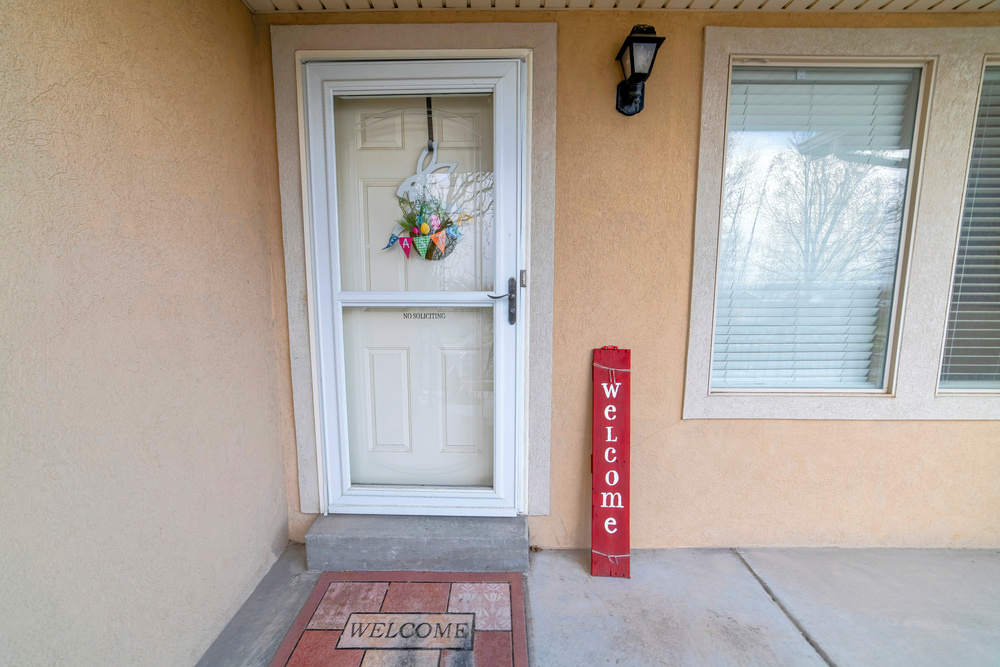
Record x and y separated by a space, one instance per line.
609 462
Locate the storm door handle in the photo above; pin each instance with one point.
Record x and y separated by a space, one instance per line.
511 297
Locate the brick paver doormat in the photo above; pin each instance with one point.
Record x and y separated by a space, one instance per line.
409 619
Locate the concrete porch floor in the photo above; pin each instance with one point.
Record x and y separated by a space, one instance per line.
719 607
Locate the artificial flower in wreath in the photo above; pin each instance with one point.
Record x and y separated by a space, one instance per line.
428 226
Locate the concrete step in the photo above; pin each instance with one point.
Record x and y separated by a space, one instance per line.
420 543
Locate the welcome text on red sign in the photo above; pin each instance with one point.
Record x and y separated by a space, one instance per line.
610 463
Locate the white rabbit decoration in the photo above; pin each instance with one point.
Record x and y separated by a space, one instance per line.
425 178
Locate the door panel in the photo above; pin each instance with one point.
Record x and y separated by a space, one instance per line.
388 398
421 411
420 395
379 142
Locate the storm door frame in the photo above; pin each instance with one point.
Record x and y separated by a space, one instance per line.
320 80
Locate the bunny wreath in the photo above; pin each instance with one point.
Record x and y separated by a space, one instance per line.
429 224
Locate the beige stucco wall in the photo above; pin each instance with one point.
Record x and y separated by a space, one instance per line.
141 354
625 202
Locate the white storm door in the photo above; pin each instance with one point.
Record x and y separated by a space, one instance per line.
417 363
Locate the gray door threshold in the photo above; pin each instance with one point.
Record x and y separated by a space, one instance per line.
338 542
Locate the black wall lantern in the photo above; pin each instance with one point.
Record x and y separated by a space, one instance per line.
636 56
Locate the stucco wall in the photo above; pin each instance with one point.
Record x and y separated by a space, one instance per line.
141 489
714 482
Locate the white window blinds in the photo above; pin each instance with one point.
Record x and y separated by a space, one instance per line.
972 344
815 179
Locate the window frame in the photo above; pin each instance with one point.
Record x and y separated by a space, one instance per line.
988 61
906 224
951 58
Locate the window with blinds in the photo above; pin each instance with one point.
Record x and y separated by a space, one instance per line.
972 343
816 171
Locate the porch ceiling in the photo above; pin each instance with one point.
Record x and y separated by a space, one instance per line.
812 6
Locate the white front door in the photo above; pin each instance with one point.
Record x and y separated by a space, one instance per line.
415 182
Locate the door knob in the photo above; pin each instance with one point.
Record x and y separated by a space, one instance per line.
511 297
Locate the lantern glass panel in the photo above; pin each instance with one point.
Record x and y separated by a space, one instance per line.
627 62
644 53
